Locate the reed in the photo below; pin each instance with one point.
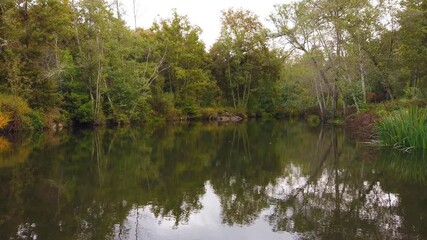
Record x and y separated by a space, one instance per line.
405 129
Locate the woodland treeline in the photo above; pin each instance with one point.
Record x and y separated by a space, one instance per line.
76 61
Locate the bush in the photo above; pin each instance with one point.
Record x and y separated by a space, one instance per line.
413 93
55 116
294 99
15 113
163 104
4 120
208 113
37 122
143 112
352 94
84 114
404 129
5 145
192 111
386 107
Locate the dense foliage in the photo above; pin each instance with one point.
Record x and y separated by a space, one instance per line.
355 52
77 62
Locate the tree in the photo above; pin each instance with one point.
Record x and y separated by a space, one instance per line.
301 28
346 42
412 47
35 32
5 8
132 70
243 64
185 64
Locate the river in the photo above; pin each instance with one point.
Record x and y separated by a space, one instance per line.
254 180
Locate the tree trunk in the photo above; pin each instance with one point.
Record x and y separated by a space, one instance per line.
362 74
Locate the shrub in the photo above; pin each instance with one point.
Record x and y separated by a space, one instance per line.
16 111
208 113
55 116
143 112
163 104
84 114
294 98
413 93
404 129
192 111
4 120
5 145
37 122
352 94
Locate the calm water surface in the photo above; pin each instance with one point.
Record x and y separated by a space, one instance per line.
271 180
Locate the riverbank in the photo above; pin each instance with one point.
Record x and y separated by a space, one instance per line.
362 125
17 116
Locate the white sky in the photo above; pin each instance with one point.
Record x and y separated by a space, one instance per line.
205 14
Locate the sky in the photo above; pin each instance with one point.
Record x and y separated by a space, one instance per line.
203 13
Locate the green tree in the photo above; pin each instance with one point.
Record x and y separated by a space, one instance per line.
243 64
185 64
110 69
350 45
34 33
412 47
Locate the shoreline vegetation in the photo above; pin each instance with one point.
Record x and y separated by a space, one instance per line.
76 63
398 124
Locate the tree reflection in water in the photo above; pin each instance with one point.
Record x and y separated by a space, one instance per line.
105 184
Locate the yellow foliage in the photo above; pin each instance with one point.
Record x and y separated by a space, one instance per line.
4 120
15 112
5 145
14 104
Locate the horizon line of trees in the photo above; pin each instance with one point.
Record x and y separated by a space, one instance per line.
76 61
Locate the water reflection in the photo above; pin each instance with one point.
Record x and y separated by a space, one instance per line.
273 180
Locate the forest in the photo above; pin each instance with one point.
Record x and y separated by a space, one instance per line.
145 152
76 62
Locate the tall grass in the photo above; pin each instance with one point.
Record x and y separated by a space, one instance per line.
405 129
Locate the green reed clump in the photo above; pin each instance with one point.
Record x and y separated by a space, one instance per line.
405 129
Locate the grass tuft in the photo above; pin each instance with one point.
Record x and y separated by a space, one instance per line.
405 129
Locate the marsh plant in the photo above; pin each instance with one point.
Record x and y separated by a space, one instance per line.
405 129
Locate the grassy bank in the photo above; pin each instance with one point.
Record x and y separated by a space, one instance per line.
405 128
399 124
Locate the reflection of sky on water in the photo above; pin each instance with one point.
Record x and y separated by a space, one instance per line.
205 224
376 205
325 185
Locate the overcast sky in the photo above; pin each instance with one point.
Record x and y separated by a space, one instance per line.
203 13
